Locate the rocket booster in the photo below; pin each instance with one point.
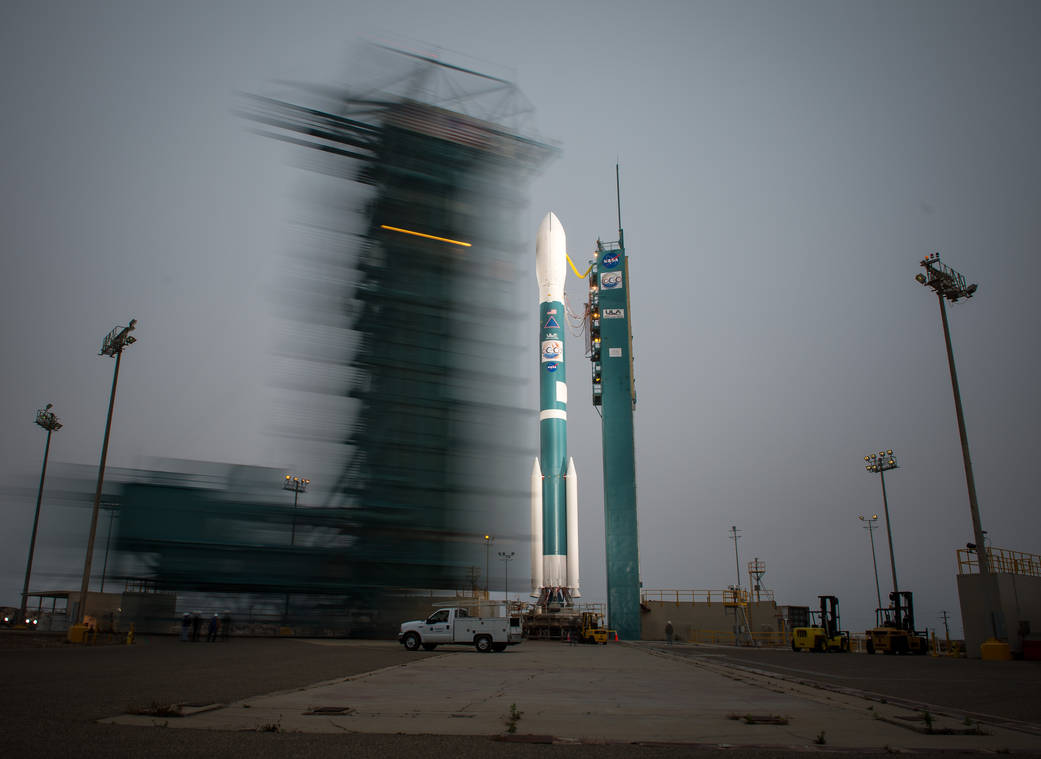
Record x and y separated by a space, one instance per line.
554 482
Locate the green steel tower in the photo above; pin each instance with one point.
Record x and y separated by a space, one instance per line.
614 392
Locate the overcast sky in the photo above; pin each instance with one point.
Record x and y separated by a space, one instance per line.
785 166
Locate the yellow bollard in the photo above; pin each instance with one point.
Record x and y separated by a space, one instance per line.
130 635
995 650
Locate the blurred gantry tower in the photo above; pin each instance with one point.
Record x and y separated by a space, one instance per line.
438 423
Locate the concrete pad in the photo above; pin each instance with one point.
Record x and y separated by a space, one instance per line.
614 693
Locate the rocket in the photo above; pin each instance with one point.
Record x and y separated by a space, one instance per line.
554 482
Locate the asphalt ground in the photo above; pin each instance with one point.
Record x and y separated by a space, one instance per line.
970 687
53 696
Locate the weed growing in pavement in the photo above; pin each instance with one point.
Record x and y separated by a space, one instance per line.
271 727
820 740
927 718
513 719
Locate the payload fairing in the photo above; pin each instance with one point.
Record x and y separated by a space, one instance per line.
554 482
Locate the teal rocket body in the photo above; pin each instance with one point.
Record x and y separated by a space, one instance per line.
553 427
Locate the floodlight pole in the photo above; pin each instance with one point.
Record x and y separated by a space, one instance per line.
113 345
871 527
880 463
505 558
297 485
970 479
487 546
950 285
46 419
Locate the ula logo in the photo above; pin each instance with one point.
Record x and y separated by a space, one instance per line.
611 281
611 260
552 350
552 366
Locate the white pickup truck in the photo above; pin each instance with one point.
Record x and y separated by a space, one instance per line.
457 626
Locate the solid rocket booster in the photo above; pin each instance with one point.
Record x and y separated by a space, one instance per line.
554 482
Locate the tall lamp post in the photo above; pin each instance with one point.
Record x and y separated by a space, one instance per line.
487 545
881 463
870 526
505 558
949 284
113 345
297 485
46 419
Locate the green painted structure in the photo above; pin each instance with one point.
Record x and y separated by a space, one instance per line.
614 391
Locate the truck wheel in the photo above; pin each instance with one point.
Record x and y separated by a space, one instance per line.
411 642
498 646
483 643
429 646
818 646
795 647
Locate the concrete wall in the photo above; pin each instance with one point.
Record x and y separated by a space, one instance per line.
1019 597
687 617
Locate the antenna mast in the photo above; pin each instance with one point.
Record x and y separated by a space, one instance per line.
618 196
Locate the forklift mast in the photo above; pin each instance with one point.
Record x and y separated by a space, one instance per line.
830 615
900 613
905 611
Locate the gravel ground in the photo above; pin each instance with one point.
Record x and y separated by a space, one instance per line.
53 694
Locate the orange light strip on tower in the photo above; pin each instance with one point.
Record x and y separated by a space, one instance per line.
429 237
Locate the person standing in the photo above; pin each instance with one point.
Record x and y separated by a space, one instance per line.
211 631
186 625
668 632
196 626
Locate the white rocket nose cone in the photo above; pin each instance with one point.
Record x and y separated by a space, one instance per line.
550 258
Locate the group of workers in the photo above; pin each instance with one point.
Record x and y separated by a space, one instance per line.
191 626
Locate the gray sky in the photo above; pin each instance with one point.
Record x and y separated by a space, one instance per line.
785 165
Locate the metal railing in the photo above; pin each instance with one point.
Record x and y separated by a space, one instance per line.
728 597
1000 560
731 638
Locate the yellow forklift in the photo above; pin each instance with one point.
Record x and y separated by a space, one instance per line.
894 631
591 628
823 634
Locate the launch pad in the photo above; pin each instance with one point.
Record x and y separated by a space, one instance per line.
556 616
